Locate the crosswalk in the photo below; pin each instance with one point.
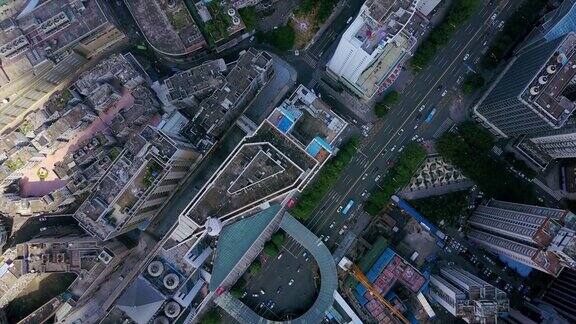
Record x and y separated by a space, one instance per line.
310 60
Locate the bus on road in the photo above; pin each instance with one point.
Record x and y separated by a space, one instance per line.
430 116
348 207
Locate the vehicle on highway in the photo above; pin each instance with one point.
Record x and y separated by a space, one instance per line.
364 176
299 268
280 256
272 304
349 20
393 148
321 237
291 282
348 207
332 224
262 292
421 108
304 254
344 228
416 126
255 295
401 149
326 238
279 290
430 116
377 178
364 193
415 137
401 131
460 79
42 229
339 209
466 56
445 92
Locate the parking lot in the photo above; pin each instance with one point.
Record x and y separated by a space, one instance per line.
284 287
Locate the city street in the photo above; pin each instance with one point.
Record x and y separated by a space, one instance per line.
398 127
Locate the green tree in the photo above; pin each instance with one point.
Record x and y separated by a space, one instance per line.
282 37
255 267
447 208
472 83
325 179
397 177
249 17
278 238
237 292
211 317
270 249
383 106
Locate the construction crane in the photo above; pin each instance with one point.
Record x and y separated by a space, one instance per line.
354 270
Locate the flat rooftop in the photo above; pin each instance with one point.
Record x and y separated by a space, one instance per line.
167 25
255 172
546 91
40 31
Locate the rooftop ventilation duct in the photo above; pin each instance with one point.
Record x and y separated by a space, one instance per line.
543 79
171 281
172 309
155 268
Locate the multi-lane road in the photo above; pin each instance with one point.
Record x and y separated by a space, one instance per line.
397 129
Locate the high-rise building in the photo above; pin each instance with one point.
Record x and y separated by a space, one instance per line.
138 183
466 296
533 93
539 237
371 50
560 294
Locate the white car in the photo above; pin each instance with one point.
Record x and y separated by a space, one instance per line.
342 229
296 52
393 148
364 176
401 149
460 79
280 256
377 178
415 137
364 193
42 229
501 25
339 209
494 16
401 131
332 224
466 56
444 93
326 238
291 282
421 108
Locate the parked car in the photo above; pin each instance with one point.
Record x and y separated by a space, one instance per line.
291 282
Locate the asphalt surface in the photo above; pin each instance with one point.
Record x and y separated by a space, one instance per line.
397 129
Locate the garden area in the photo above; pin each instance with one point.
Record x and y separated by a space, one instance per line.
469 149
282 37
325 180
444 210
397 177
472 83
440 35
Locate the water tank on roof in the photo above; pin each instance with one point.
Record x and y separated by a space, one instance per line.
551 69
543 79
235 21
171 281
561 58
213 226
231 12
172 309
534 90
155 268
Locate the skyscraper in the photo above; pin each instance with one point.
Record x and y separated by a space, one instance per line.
539 237
466 296
533 93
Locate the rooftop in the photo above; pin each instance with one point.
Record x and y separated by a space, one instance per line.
546 91
167 25
196 81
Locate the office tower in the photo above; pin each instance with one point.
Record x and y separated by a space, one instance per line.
371 51
532 95
466 296
539 237
560 295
